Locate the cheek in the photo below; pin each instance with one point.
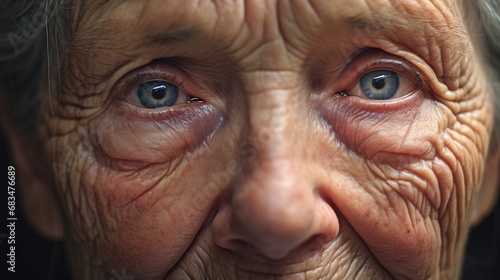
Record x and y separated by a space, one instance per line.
393 145
137 193
142 220
389 180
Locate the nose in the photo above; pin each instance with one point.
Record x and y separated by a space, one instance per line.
274 207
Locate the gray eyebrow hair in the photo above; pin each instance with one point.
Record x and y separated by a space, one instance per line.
174 36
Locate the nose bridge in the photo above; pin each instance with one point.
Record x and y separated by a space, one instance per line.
272 204
273 132
273 117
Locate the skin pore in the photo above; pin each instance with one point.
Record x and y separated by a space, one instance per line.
271 162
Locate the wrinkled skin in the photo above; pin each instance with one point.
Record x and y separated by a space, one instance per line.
284 169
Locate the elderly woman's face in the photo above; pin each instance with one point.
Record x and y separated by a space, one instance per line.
259 139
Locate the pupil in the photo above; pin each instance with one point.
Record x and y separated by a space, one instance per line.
159 92
379 82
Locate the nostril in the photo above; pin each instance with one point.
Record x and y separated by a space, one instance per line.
250 251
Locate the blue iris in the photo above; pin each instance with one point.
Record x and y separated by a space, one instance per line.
380 84
156 94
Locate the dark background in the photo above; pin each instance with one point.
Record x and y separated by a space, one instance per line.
38 258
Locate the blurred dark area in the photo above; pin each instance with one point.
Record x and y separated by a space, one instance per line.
482 259
39 258
36 257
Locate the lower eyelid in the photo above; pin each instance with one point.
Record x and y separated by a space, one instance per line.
127 110
357 106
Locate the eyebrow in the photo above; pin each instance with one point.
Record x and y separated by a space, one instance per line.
173 36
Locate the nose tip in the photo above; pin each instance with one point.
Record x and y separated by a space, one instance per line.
274 213
273 223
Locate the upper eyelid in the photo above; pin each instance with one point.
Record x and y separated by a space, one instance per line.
372 60
147 76
399 67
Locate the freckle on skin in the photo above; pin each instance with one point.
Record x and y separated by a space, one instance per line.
367 213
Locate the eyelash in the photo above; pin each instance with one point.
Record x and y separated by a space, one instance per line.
146 76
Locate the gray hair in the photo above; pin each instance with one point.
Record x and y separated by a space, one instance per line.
25 26
488 12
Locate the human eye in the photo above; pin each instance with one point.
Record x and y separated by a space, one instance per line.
383 85
157 94
160 106
381 79
379 85
157 88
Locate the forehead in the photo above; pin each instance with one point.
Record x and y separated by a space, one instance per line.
179 28
168 20
193 12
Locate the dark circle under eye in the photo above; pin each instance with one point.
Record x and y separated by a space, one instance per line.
156 94
380 84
